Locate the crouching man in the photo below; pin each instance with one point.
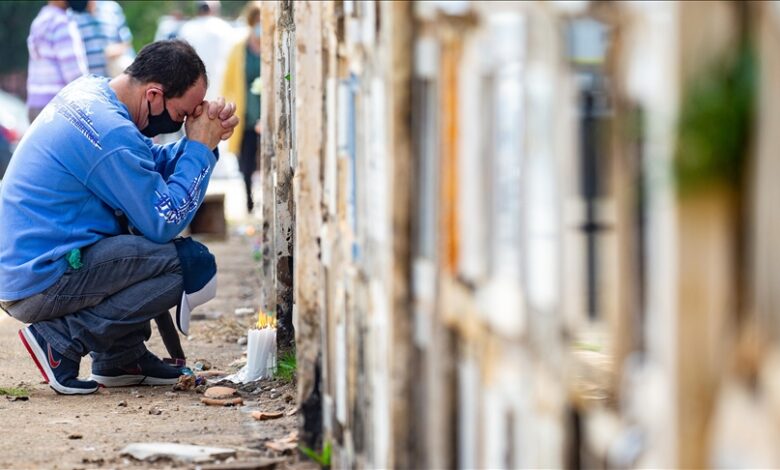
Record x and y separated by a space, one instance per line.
85 171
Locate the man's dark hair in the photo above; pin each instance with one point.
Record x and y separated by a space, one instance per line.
174 64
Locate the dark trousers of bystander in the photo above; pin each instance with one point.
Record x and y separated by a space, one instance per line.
247 162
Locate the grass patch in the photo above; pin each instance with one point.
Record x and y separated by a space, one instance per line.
286 366
322 458
17 392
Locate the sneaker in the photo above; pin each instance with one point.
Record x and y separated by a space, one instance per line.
59 372
147 370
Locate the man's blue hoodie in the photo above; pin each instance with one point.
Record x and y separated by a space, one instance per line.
82 162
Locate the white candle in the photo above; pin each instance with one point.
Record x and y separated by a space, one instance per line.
261 353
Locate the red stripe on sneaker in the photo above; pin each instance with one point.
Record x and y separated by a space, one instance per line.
32 354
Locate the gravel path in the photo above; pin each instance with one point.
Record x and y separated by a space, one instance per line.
53 431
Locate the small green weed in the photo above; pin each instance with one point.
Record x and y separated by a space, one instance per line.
322 458
14 392
286 366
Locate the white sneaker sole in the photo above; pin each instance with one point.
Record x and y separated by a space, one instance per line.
130 380
42 362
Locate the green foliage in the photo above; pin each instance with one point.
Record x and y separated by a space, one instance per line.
232 8
716 119
15 20
286 366
18 392
322 458
144 15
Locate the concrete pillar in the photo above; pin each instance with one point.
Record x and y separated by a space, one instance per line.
397 27
268 156
284 217
707 233
309 275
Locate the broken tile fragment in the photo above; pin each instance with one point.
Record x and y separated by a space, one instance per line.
289 442
265 415
222 402
210 373
219 392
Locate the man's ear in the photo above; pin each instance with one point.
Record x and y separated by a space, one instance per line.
152 90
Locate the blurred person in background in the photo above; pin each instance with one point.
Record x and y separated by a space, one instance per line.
57 55
212 37
241 72
107 38
168 26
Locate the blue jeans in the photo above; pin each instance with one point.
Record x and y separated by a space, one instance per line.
104 307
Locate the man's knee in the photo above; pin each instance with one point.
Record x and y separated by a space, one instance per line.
127 247
29 310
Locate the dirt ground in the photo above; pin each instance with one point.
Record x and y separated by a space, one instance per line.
54 431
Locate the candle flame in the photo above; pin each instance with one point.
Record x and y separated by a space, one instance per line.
265 320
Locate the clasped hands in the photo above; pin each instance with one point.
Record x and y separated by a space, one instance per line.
211 122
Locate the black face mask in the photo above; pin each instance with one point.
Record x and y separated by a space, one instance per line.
163 123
